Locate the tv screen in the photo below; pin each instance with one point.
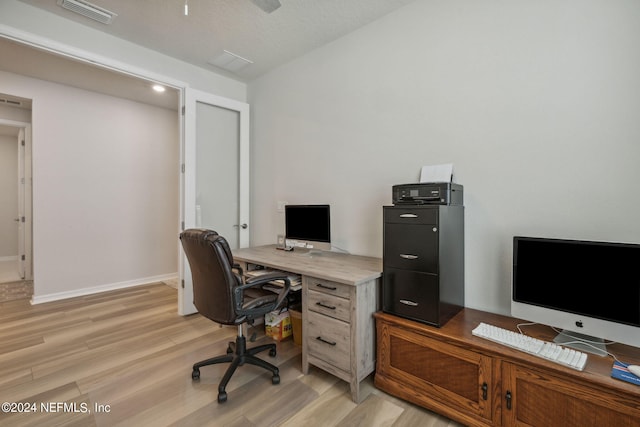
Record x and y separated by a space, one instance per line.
307 224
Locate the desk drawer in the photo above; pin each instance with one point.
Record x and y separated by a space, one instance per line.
329 304
329 340
327 287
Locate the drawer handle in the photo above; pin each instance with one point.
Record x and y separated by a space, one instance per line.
408 215
330 307
408 256
331 288
409 303
485 389
325 341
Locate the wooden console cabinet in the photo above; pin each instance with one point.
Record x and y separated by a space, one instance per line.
480 383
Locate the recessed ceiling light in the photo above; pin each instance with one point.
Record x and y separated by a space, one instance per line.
158 88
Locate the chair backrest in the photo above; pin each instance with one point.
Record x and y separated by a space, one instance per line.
211 265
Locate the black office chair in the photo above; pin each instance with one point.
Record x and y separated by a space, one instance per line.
221 294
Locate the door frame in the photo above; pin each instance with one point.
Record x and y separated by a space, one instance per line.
25 228
188 184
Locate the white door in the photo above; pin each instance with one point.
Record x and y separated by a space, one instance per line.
21 211
27 205
216 175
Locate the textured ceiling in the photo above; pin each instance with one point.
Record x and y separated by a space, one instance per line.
238 26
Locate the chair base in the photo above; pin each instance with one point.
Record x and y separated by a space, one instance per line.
241 356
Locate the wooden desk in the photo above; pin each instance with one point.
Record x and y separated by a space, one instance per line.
340 293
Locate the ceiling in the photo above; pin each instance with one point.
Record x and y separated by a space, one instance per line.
20 59
212 26
268 40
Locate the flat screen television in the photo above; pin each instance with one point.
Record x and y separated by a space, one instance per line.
589 289
308 226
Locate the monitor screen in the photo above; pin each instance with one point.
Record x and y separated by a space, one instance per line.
308 226
596 283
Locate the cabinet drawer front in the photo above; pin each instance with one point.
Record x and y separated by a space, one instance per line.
327 287
413 247
402 215
329 340
412 295
330 305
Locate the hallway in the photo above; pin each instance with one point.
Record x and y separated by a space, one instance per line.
9 271
12 286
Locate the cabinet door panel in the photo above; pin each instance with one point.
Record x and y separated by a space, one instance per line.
412 247
434 374
543 400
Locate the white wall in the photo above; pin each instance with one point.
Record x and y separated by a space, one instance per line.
8 195
105 189
535 102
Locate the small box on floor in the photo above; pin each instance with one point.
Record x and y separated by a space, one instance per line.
278 325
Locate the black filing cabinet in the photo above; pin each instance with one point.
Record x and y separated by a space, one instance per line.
423 262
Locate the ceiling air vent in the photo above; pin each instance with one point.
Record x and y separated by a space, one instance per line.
10 102
89 10
230 61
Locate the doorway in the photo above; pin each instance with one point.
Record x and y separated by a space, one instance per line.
15 200
216 178
124 88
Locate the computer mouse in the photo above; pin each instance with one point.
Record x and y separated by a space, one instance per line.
634 369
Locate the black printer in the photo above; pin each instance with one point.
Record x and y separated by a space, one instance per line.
428 193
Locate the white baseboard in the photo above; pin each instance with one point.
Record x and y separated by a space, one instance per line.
8 258
103 288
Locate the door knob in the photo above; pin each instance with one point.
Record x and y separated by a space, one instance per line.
244 226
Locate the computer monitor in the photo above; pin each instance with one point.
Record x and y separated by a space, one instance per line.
308 226
589 289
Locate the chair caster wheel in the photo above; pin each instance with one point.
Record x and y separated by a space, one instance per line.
195 374
229 350
272 352
275 379
222 397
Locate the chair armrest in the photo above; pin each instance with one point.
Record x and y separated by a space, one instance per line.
238 292
236 266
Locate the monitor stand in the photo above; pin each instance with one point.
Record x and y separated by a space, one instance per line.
581 342
308 252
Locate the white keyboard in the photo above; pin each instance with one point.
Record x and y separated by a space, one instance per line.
543 349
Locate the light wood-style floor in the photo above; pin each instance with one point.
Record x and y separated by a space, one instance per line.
124 358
